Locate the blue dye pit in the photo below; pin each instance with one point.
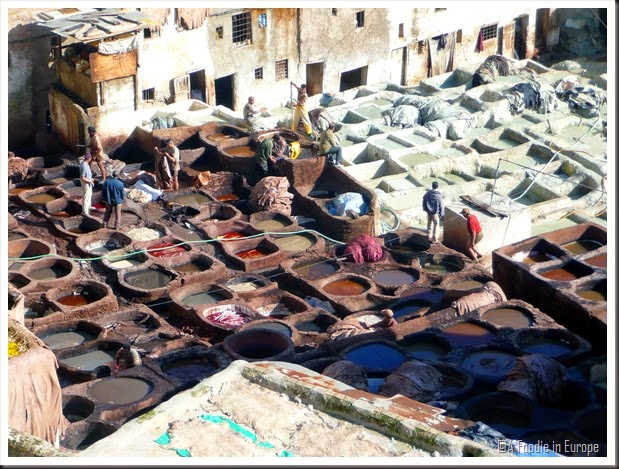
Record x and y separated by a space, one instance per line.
376 356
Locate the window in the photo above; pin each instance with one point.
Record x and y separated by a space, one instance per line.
148 95
488 32
219 32
181 85
281 69
360 17
262 20
440 9
401 30
241 29
333 11
258 74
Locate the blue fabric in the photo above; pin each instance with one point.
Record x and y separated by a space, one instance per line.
347 201
113 191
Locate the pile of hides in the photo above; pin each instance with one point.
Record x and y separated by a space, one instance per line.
348 201
18 168
531 95
34 393
346 328
491 293
202 179
536 377
402 117
414 379
143 193
363 248
271 194
584 100
348 373
498 66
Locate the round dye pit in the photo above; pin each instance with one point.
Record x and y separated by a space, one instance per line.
192 200
227 316
294 243
489 364
345 287
409 307
259 344
394 278
189 368
508 317
90 360
126 263
42 198
62 340
204 298
274 224
315 268
310 326
375 381
148 279
466 285
119 390
454 382
376 356
582 246
426 348
244 151
440 268
505 412
82 298
271 325
244 285
167 250
51 271
76 408
552 345
466 334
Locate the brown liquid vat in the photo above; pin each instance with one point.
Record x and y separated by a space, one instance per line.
37 198
76 226
102 243
249 285
219 213
237 155
24 249
272 222
259 345
278 304
236 229
149 281
241 252
187 298
92 297
62 208
198 267
49 272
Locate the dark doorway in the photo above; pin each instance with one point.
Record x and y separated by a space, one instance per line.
224 92
314 75
197 85
520 36
354 78
542 27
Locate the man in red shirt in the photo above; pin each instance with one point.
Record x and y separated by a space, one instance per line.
475 233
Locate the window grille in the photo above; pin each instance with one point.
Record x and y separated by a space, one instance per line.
148 94
258 74
489 32
281 69
360 17
241 28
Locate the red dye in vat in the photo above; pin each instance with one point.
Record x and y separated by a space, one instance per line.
165 250
251 254
74 300
231 235
227 197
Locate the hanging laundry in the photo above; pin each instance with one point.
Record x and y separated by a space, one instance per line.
479 47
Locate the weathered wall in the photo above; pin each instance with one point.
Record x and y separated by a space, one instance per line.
428 23
77 83
336 41
29 78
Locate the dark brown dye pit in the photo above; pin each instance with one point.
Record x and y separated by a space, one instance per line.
55 271
76 299
581 246
597 261
148 279
393 278
119 390
467 334
560 275
508 317
344 288
189 369
315 268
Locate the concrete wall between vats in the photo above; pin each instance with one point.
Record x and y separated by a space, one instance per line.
497 231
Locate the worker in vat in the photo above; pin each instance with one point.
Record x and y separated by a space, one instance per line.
432 204
475 233
271 148
127 357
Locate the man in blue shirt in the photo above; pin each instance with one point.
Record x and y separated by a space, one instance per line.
87 182
113 194
435 209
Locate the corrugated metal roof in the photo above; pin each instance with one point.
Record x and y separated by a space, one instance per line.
96 25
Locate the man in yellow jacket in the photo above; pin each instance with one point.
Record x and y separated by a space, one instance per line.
300 111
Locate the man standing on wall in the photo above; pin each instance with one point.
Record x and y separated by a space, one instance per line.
173 155
475 233
435 210
87 182
300 111
96 150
